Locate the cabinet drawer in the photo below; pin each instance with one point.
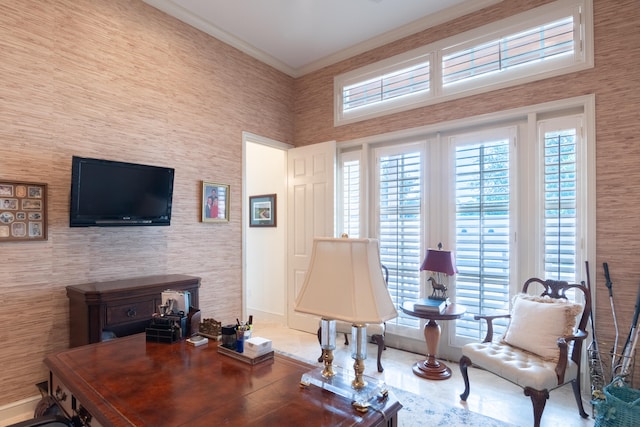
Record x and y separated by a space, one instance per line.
130 311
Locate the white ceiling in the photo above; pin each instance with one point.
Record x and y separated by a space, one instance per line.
300 36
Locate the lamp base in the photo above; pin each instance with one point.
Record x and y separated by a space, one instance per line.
341 384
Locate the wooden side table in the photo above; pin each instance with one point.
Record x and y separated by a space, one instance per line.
431 368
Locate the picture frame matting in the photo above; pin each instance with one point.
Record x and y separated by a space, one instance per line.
262 211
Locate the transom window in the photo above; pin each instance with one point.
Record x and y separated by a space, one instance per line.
550 40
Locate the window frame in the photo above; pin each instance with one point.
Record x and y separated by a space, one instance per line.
583 58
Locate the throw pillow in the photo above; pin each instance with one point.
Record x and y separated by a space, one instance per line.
538 322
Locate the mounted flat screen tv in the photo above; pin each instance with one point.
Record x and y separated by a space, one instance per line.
107 193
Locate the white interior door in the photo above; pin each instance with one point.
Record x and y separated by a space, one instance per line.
311 178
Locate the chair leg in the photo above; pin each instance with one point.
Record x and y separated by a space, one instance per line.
539 400
576 392
346 339
321 358
464 363
379 339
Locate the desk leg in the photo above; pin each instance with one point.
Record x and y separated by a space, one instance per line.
430 368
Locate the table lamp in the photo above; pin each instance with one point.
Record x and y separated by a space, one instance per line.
439 262
344 282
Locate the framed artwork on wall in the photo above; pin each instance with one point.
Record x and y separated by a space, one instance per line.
262 211
215 202
23 211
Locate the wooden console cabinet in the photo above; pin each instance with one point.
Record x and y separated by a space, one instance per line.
123 307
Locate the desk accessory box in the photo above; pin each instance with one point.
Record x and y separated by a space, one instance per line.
244 358
166 329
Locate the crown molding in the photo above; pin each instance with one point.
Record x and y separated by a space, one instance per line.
414 27
172 8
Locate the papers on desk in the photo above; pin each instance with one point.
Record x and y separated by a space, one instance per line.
430 305
256 346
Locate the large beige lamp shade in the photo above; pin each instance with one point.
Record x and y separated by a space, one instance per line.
344 281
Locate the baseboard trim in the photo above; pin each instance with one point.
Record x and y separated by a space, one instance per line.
19 411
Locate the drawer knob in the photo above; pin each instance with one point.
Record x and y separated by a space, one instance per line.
60 395
131 312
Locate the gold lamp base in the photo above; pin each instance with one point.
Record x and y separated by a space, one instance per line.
327 359
358 368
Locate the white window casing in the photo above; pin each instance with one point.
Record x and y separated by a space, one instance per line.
547 41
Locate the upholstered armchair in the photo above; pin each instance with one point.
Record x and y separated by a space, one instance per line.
541 348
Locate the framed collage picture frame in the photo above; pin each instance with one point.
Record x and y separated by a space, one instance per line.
215 202
23 211
262 211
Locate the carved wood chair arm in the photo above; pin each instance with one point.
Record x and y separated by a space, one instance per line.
561 366
489 319
563 345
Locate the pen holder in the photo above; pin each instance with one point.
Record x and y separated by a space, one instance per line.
240 340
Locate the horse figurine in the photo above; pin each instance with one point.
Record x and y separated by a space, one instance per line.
439 290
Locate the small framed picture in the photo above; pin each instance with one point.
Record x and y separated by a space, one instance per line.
262 211
215 202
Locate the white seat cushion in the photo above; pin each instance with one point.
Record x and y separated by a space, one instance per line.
518 366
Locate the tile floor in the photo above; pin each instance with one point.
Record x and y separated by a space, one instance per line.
489 395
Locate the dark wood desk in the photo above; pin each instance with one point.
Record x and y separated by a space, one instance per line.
431 368
131 382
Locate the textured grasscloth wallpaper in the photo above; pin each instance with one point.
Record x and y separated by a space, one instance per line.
121 80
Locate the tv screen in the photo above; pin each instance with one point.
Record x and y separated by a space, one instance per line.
107 193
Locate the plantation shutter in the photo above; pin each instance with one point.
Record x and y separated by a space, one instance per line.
482 232
399 219
527 47
406 81
560 205
351 197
